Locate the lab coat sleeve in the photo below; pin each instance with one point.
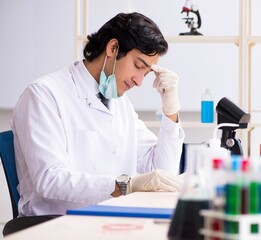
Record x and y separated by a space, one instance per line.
163 152
42 149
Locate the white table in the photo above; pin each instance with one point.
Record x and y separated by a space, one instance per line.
90 227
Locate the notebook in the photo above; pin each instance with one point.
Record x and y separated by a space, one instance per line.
117 211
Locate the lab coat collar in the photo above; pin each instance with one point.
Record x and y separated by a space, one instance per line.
86 86
84 81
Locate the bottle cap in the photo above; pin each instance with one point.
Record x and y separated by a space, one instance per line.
235 164
217 163
207 94
245 165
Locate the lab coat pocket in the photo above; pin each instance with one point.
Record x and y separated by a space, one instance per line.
82 149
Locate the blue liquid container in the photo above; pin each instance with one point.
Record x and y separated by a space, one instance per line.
207 111
207 108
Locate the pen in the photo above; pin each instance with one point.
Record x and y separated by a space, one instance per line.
162 221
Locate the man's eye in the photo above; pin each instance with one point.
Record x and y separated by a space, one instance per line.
137 66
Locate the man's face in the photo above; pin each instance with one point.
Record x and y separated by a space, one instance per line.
131 69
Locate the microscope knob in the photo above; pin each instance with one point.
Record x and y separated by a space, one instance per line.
230 142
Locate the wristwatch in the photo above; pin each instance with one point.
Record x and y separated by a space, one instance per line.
123 181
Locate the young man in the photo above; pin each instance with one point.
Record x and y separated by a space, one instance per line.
71 149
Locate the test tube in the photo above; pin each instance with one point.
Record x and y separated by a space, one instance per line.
218 200
233 194
255 191
245 186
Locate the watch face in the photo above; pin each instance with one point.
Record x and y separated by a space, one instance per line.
123 178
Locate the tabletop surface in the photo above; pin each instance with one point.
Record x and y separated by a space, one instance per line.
92 227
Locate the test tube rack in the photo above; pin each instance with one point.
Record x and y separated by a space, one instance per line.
244 225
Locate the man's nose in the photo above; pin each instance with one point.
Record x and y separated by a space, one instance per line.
138 80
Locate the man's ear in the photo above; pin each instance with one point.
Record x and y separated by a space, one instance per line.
111 48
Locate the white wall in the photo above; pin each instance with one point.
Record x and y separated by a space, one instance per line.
37 38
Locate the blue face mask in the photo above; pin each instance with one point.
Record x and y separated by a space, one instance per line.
107 85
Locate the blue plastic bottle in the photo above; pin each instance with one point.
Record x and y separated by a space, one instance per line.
207 107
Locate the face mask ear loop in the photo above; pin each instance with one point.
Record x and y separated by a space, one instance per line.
104 63
115 60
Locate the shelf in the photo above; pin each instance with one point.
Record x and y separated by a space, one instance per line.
193 39
81 38
203 39
153 124
254 125
254 39
191 124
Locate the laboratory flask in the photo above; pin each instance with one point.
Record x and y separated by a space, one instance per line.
195 196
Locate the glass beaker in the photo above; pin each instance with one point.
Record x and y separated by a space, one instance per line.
195 195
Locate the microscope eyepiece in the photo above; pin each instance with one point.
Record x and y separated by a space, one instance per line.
228 112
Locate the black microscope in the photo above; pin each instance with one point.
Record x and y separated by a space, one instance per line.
228 112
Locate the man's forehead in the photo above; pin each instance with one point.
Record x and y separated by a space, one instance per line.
145 59
144 62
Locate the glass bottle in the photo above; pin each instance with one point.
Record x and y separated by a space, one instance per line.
195 195
207 107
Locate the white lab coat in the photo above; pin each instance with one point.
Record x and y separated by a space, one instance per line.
69 147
